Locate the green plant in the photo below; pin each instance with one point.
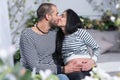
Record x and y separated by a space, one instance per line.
110 15
108 24
103 24
17 56
87 23
98 74
32 20
98 24
18 72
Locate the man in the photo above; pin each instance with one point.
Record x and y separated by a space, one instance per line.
37 44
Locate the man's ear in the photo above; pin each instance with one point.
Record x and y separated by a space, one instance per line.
47 16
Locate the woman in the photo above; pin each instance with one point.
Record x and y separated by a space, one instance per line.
73 43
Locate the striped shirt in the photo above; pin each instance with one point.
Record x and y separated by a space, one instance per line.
36 50
78 45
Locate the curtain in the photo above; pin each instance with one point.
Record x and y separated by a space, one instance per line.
5 37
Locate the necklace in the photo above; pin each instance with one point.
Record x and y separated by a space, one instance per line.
36 25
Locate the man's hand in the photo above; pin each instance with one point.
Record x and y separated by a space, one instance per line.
72 66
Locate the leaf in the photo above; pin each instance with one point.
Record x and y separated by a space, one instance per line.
48 0
52 77
27 76
37 77
1 62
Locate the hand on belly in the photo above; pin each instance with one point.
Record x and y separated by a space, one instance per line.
85 63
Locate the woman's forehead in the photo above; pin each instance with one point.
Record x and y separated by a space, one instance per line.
64 13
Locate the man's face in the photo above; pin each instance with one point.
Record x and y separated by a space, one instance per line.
54 17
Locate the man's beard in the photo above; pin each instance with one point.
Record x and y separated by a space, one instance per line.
53 26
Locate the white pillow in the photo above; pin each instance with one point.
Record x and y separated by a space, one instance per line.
104 45
98 36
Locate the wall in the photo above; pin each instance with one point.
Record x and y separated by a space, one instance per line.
82 7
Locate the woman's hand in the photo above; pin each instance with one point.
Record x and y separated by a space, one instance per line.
88 64
79 64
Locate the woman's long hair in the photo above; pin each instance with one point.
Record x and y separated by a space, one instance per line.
72 25
57 56
73 22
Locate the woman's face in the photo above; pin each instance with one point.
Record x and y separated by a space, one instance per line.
62 20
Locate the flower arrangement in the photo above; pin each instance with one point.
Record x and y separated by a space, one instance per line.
103 24
32 20
99 74
18 72
110 19
116 19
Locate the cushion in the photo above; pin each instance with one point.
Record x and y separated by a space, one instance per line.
110 36
98 36
114 38
104 45
115 48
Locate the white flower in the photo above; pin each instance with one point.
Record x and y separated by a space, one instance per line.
117 22
112 18
94 70
116 78
10 77
11 50
88 78
45 74
33 72
12 3
3 68
3 54
117 6
103 75
82 20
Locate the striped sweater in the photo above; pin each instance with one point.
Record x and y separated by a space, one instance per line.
36 50
78 45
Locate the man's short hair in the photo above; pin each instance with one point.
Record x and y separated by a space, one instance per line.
44 8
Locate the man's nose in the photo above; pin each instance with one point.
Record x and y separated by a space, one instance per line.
60 16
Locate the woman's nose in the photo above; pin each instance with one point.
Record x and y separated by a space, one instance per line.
59 18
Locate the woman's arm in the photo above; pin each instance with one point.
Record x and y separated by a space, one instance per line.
90 41
79 64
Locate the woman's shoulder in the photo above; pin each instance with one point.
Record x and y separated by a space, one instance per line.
81 31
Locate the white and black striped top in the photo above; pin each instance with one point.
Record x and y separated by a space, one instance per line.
78 44
36 50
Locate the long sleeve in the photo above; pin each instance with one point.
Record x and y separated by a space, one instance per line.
89 41
28 53
32 55
76 46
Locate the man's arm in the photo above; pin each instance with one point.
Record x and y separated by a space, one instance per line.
29 57
72 66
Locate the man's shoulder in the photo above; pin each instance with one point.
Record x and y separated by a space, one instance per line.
26 32
53 31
